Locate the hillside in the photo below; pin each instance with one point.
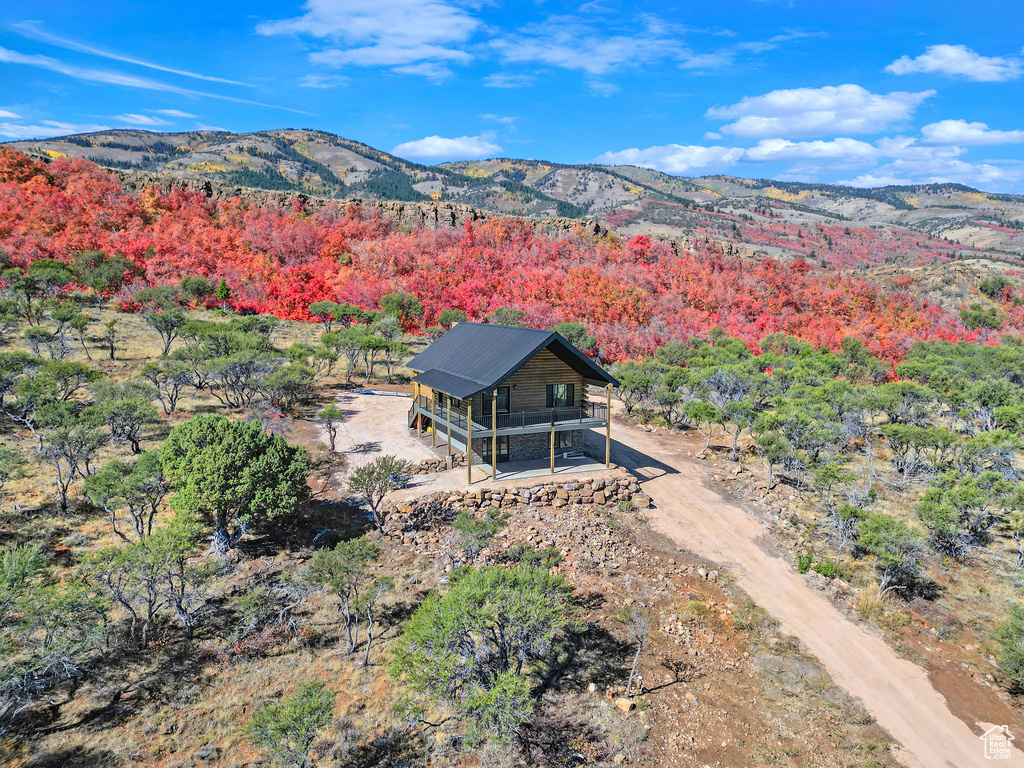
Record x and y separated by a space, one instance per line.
650 202
315 162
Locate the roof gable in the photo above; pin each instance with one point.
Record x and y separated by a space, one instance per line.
473 357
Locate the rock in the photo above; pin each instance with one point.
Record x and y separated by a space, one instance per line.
691 699
626 705
207 753
592 688
815 580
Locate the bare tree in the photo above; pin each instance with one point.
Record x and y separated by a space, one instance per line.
634 619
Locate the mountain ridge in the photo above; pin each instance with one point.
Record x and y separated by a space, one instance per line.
628 198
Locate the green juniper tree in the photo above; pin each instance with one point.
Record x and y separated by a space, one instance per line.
231 473
473 648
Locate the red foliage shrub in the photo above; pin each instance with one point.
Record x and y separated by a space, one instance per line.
633 297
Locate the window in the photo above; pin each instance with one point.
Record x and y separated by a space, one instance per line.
502 449
563 441
561 395
503 401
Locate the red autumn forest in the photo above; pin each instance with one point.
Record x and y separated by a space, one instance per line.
632 296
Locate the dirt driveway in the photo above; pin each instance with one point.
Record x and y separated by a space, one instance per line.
897 692
378 424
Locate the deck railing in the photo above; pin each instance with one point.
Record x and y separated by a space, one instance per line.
520 419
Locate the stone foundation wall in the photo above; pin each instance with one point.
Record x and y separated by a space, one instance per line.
538 446
581 496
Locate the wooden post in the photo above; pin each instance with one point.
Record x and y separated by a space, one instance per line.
416 404
433 419
469 441
494 435
449 430
552 447
419 409
608 431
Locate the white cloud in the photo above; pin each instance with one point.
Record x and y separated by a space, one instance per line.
431 70
172 113
323 81
985 176
32 30
392 33
437 148
133 119
909 162
780 150
9 115
889 160
110 77
960 61
588 44
675 158
816 112
866 180
964 133
46 130
601 88
576 43
503 119
509 80
907 148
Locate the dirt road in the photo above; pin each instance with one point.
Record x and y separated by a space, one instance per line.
897 692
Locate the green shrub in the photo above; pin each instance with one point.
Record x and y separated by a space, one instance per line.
474 648
830 570
287 730
528 555
1010 636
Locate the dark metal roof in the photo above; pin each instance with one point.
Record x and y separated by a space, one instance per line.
474 357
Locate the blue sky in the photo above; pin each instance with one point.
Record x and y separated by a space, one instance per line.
864 93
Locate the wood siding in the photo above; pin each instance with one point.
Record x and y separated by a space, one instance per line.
528 385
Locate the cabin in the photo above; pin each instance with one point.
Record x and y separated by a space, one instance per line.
503 394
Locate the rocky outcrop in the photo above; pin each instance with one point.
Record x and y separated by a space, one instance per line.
569 517
424 215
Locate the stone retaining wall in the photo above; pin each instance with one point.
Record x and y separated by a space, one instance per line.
599 491
431 466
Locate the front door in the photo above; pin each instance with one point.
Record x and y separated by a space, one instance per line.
502 449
